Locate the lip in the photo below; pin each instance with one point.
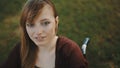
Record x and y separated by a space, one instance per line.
40 38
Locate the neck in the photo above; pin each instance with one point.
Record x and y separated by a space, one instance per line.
50 46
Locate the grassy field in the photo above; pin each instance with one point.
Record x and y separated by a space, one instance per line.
97 19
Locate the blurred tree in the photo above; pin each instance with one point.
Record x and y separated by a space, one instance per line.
10 7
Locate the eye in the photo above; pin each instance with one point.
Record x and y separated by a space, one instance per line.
46 23
29 25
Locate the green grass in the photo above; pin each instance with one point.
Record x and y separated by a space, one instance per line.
97 19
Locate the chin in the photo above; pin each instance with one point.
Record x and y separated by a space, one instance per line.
40 43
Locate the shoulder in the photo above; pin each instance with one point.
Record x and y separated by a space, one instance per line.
66 42
16 49
71 52
67 45
13 60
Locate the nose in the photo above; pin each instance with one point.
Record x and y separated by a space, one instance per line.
39 30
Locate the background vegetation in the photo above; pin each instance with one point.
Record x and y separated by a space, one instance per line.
97 19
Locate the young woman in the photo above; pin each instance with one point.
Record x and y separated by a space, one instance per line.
40 47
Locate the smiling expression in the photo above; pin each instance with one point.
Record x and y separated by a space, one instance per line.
42 30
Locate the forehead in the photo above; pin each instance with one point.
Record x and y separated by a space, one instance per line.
46 13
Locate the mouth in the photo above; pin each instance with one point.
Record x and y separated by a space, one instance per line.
40 38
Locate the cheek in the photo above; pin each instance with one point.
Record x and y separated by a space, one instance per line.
29 32
51 29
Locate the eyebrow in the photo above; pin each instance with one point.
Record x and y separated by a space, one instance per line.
44 19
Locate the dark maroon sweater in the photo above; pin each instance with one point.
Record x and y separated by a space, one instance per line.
68 55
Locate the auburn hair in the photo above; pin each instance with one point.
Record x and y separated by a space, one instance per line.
28 48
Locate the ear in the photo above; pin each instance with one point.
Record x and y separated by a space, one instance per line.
56 26
57 20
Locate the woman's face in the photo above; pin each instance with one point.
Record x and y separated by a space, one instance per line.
42 30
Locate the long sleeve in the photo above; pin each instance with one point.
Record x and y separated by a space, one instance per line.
13 60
